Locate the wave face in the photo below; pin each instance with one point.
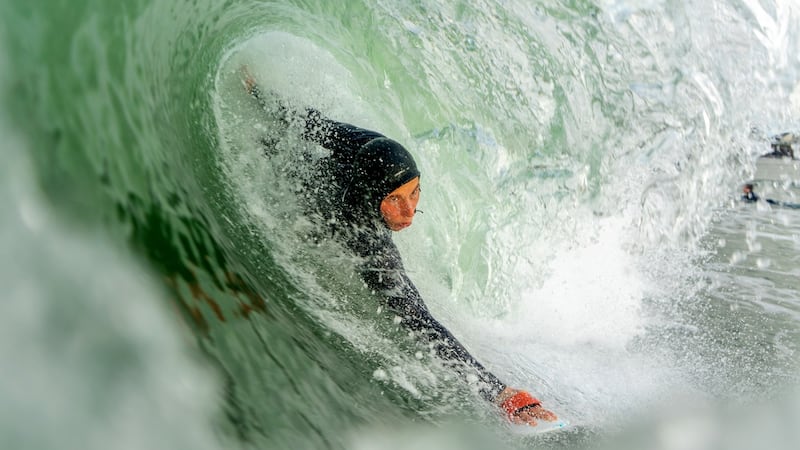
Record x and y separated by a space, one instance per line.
581 231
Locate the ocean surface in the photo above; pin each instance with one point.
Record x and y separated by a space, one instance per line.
581 166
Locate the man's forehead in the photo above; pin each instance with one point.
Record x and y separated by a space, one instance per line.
408 186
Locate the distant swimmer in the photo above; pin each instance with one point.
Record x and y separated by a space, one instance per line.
749 196
368 187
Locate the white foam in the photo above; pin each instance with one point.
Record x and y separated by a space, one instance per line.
592 293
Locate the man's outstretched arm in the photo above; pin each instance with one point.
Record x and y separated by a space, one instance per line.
388 277
339 137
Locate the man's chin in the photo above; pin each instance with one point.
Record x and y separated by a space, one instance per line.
399 226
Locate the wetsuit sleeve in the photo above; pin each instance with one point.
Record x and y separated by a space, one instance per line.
383 273
339 137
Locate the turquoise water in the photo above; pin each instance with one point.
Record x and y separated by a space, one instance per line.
580 235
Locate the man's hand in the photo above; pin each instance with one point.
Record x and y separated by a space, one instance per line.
249 81
521 408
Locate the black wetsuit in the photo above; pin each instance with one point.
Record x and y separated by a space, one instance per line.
751 197
358 222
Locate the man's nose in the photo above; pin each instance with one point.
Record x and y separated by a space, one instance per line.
407 208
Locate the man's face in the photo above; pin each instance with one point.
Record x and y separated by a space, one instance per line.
399 206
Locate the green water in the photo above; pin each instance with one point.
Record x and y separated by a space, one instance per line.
579 161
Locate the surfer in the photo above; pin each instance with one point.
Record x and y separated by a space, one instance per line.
749 196
367 188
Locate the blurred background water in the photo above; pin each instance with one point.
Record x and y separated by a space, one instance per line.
582 163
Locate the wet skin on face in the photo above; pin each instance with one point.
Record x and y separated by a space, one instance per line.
399 206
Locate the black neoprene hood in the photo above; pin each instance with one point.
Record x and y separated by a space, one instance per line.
379 167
